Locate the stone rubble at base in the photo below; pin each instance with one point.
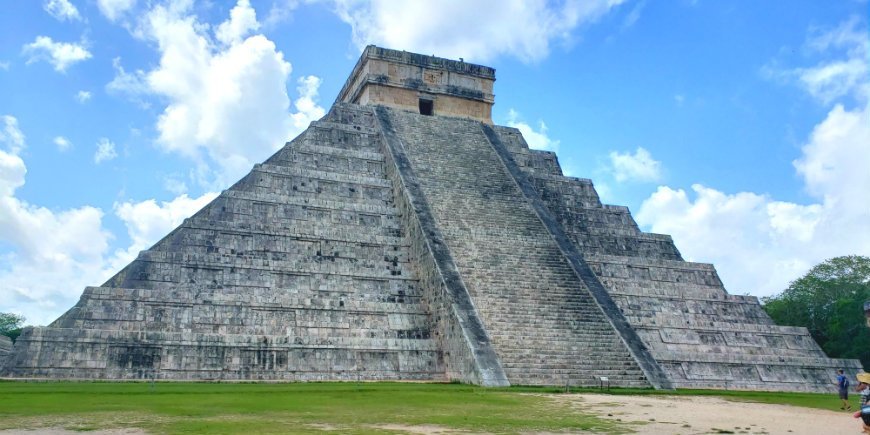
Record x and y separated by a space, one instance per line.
384 244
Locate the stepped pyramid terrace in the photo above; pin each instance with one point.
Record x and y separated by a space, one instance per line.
405 237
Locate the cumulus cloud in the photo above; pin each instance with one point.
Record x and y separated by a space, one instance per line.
62 10
51 249
639 166
759 244
226 91
478 31
105 151
307 109
114 9
83 96
829 79
60 54
62 143
243 21
537 139
48 256
147 221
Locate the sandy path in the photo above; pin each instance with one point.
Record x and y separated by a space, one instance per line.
705 415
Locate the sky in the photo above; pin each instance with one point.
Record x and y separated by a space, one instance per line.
741 128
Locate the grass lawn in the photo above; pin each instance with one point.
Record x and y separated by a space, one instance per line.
313 407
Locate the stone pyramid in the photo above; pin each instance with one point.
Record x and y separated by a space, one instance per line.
405 237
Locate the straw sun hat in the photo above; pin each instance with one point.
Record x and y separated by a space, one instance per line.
863 377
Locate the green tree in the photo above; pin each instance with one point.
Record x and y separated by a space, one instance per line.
829 301
10 325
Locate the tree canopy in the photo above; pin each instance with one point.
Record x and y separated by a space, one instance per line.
829 301
10 325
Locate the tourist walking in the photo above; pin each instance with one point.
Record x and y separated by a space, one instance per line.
843 389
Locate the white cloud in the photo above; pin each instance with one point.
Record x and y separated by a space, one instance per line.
759 244
113 9
478 31
11 136
832 79
12 172
105 151
281 11
83 96
62 10
132 85
147 222
60 54
639 166
48 256
175 185
306 106
54 253
227 103
243 21
4 66
538 140
62 143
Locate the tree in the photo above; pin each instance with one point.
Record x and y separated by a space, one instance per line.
10 325
829 301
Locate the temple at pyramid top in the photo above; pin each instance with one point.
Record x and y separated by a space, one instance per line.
428 84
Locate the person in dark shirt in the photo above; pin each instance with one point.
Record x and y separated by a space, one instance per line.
843 389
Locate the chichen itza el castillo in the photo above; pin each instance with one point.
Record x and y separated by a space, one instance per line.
405 237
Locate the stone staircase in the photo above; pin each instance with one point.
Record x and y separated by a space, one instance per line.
699 334
299 271
544 324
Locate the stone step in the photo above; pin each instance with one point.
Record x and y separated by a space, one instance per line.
315 203
314 175
310 233
524 289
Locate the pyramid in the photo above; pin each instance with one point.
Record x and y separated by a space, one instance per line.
405 237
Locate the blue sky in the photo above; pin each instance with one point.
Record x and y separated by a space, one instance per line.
741 128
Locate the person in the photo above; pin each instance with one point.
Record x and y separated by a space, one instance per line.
863 388
864 415
843 389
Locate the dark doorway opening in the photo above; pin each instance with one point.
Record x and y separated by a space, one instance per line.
426 107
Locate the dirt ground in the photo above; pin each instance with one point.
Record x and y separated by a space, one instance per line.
710 415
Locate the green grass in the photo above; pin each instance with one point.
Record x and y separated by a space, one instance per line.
283 408
312 407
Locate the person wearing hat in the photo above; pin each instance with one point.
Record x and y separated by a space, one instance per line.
863 387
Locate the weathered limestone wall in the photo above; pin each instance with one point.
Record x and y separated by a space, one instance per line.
400 79
5 349
701 335
545 326
468 353
300 271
